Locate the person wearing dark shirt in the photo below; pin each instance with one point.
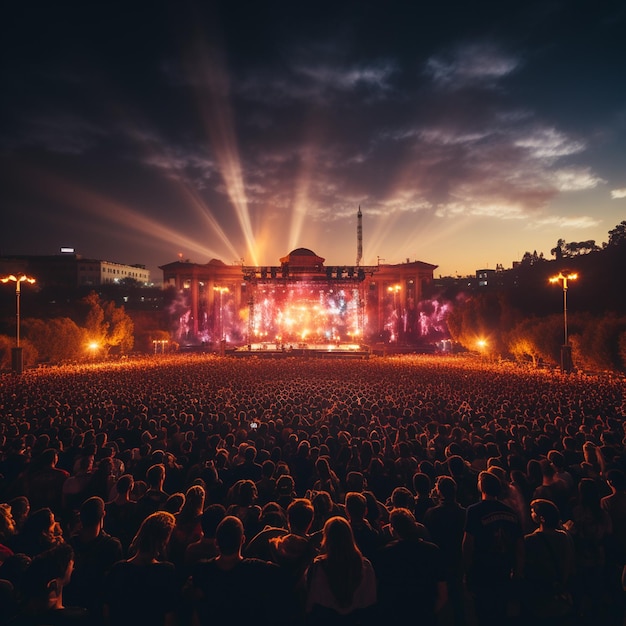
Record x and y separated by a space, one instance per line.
234 590
445 523
205 548
492 553
44 482
615 505
548 568
410 573
144 589
121 518
155 498
42 591
423 501
366 537
95 552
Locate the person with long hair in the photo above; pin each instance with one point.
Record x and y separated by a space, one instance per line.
188 524
341 582
144 589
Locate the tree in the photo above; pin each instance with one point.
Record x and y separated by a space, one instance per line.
108 325
597 345
576 248
57 339
120 328
532 259
29 352
617 236
559 250
486 316
536 339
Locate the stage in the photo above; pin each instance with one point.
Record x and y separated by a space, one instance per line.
311 350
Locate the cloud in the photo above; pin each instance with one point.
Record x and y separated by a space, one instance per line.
575 179
317 81
63 133
471 64
481 208
549 143
618 193
575 222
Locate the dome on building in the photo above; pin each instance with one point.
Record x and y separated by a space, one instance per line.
302 252
303 257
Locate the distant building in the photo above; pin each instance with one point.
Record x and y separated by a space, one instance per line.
72 270
302 298
490 279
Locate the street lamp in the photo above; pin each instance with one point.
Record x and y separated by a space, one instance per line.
17 353
93 346
566 349
160 342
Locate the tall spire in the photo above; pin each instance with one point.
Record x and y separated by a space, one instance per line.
359 237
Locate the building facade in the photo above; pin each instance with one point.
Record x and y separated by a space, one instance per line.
300 300
72 270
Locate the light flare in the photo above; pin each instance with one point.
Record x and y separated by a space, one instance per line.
206 69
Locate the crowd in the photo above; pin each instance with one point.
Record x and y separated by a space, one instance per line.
203 490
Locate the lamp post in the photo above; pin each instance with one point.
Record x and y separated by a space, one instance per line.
17 352
566 349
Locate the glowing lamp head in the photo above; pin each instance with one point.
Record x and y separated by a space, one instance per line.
93 345
17 279
564 276
481 343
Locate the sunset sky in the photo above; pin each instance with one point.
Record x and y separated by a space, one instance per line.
468 133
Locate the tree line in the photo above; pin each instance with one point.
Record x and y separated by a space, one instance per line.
524 317
97 328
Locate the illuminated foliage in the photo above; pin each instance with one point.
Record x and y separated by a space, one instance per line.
56 340
487 316
537 339
108 325
597 347
28 350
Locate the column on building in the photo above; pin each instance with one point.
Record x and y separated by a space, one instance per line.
194 291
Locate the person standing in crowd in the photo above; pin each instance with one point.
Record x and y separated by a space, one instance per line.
341 582
144 589
492 553
615 505
205 547
44 482
155 498
367 538
188 527
445 522
548 568
42 590
40 532
410 573
95 552
230 589
590 528
121 513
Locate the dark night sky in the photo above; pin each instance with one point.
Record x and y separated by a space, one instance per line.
468 133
